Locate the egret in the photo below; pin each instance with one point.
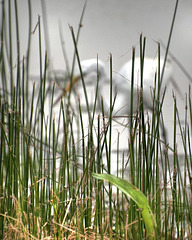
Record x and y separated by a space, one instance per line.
122 83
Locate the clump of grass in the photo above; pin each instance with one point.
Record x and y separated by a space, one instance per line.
46 163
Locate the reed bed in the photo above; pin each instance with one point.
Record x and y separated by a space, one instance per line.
47 190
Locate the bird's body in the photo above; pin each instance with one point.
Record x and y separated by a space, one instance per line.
122 83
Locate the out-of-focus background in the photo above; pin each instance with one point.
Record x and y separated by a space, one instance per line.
113 26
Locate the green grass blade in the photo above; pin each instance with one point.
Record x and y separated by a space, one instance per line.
137 196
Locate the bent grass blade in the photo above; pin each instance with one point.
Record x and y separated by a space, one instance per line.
137 196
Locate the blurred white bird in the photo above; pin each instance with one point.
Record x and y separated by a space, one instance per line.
122 83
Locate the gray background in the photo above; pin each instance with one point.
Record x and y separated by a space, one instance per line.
114 26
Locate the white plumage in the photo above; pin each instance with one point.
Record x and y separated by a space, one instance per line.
122 82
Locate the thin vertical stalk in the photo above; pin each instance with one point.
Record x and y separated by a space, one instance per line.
174 188
131 142
110 139
18 88
28 58
81 73
142 129
169 39
10 49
